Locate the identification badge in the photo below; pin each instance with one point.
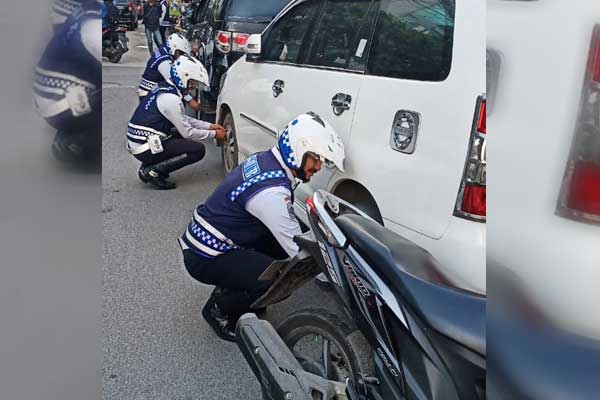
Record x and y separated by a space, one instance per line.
78 101
155 144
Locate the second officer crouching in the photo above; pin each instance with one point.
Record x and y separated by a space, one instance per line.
150 135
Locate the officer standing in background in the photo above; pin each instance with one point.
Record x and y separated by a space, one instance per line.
165 18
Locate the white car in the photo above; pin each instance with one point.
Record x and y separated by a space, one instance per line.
403 83
543 99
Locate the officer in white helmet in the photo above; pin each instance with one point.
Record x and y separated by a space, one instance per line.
249 219
158 67
159 133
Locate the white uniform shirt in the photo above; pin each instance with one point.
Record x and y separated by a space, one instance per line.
275 209
171 107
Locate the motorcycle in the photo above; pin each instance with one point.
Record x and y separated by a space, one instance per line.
405 332
114 43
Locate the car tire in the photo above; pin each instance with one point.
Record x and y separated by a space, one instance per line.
229 150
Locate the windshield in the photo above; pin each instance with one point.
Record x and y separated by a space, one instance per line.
255 11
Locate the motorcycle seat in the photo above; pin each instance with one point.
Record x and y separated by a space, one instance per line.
417 280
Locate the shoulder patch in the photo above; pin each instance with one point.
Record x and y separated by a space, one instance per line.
250 168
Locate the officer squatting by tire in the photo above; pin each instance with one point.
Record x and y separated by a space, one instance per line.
249 221
159 133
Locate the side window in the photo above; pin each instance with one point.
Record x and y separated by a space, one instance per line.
362 44
284 40
335 38
413 40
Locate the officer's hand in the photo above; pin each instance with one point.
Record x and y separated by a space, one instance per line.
220 134
215 127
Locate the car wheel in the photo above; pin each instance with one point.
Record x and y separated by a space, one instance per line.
229 151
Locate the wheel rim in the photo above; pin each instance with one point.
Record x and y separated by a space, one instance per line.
321 354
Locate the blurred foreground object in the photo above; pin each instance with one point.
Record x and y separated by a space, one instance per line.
67 86
528 356
543 88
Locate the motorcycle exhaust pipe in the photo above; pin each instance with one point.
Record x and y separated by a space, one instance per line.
279 373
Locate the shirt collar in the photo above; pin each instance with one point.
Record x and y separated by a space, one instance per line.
287 169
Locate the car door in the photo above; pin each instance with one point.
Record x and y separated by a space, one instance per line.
309 63
264 101
332 74
416 108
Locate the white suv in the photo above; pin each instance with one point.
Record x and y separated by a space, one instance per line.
543 109
403 83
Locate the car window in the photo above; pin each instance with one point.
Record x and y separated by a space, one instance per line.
413 40
362 44
284 39
334 40
254 11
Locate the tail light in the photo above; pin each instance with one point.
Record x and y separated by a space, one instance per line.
239 41
579 198
310 206
223 41
471 199
231 41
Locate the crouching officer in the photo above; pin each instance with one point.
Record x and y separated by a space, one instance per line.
68 85
158 67
249 220
149 134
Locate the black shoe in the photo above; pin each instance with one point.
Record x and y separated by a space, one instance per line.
223 325
156 179
76 149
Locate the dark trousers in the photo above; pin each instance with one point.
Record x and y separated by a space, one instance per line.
163 33
172 148
238 272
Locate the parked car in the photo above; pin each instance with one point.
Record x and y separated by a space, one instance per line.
220 29
403 83
543 88
129 13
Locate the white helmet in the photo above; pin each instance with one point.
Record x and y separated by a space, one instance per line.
186 69
178 42
308 133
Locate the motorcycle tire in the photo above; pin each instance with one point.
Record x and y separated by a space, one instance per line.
115 56
341 332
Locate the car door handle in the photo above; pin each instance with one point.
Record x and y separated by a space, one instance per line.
278 87
340 103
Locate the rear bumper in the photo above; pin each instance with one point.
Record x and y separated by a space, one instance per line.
274 365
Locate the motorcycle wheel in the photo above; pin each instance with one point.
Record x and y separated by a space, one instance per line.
327 345
115 56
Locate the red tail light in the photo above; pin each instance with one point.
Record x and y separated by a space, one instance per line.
580 193
482 118
223 42
239 41
471 199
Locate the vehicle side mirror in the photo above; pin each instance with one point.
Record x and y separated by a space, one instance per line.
253 47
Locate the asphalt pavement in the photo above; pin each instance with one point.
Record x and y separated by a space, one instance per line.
156 344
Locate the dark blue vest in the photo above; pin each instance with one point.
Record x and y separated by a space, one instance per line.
151 76
147 119
66 53
66 63
222 222
167 14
